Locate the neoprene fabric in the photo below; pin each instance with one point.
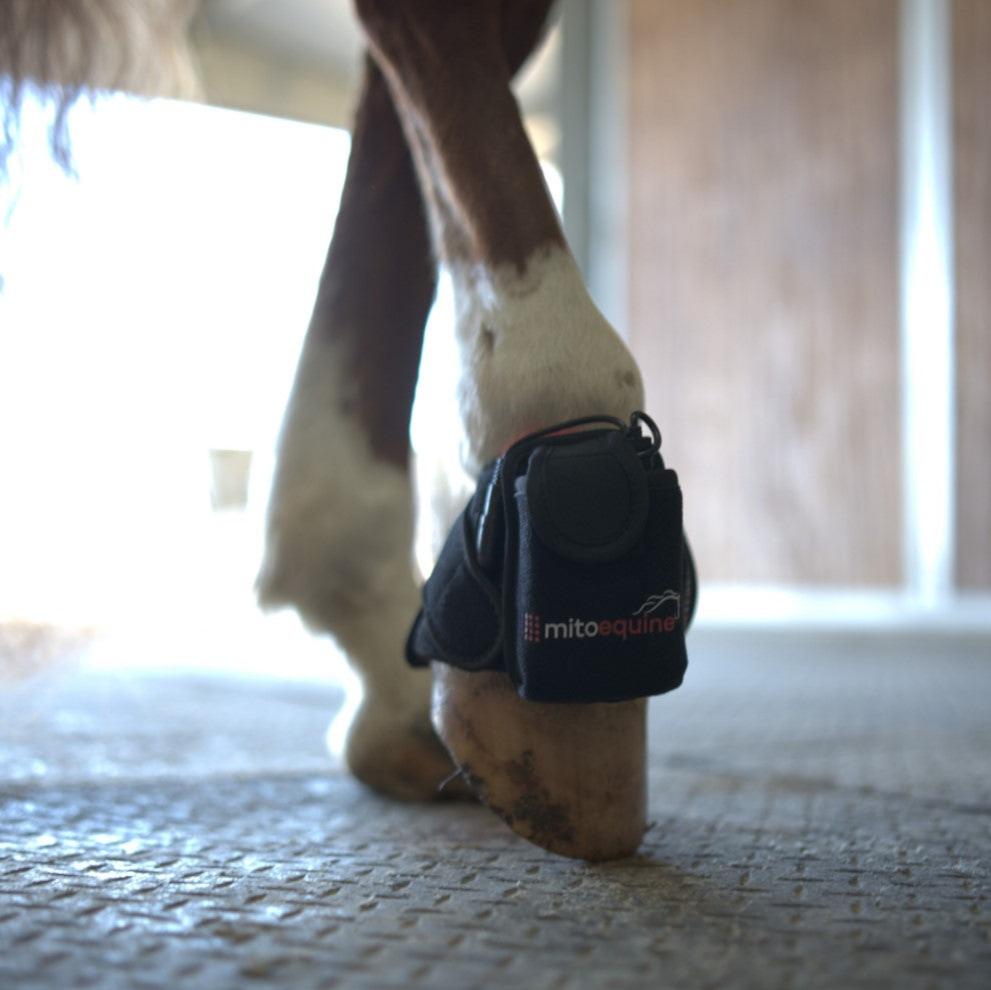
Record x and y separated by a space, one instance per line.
568 570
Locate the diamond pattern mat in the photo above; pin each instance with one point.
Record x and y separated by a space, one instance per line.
820 812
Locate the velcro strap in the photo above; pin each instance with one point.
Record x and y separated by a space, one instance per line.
461 619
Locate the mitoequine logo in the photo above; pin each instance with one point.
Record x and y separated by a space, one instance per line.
643 622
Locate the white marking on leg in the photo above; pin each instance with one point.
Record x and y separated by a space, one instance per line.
535 350
531 350
339 535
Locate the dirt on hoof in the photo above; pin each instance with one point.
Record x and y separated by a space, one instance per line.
534 813
569 778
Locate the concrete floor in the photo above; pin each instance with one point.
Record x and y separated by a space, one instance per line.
821 819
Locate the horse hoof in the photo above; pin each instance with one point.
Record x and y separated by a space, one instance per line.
400 758
569 778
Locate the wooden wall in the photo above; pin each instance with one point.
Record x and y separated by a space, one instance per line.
763 278
972 187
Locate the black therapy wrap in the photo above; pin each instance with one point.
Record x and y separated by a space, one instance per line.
568 570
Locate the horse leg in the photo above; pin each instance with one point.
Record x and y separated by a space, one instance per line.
533 350
339 521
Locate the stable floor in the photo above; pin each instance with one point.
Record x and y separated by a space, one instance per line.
820 807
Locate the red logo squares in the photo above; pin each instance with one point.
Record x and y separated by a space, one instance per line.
531 627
